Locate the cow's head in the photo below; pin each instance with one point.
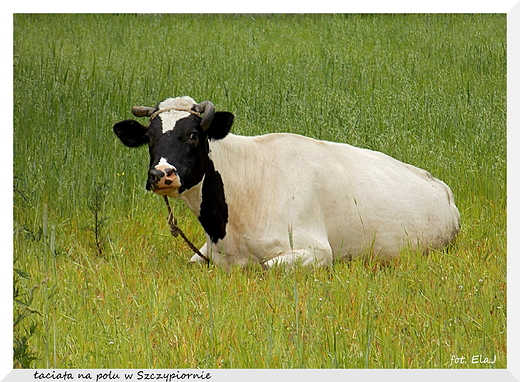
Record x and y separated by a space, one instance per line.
177 138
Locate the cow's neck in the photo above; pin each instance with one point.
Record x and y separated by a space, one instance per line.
193 198
208 202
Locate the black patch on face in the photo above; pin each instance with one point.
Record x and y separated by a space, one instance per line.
185 147
213 209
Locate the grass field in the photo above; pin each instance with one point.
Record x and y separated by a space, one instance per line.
100 283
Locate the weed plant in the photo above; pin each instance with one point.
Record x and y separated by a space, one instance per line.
96 208
24 328
429 90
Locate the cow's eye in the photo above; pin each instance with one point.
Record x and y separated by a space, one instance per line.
193 136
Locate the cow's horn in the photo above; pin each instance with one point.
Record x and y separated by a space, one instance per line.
208 109
143 111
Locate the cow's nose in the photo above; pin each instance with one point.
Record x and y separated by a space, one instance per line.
155 175
162 178
169 171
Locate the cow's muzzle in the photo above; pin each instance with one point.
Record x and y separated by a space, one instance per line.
163 181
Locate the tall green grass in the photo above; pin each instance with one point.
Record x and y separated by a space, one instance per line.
427 89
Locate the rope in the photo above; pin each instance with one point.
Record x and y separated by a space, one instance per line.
176 231
176 109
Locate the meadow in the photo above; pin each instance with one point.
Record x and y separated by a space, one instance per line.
99 281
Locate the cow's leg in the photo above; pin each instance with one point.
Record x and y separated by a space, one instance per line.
196 258
319 257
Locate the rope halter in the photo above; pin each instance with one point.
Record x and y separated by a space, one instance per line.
204 110
155 114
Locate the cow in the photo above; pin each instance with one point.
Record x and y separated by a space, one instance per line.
284 198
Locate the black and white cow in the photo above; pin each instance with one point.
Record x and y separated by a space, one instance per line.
284 198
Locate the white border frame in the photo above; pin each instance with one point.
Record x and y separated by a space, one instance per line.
511 7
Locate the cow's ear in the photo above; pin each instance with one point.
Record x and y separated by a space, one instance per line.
220 125
131 133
